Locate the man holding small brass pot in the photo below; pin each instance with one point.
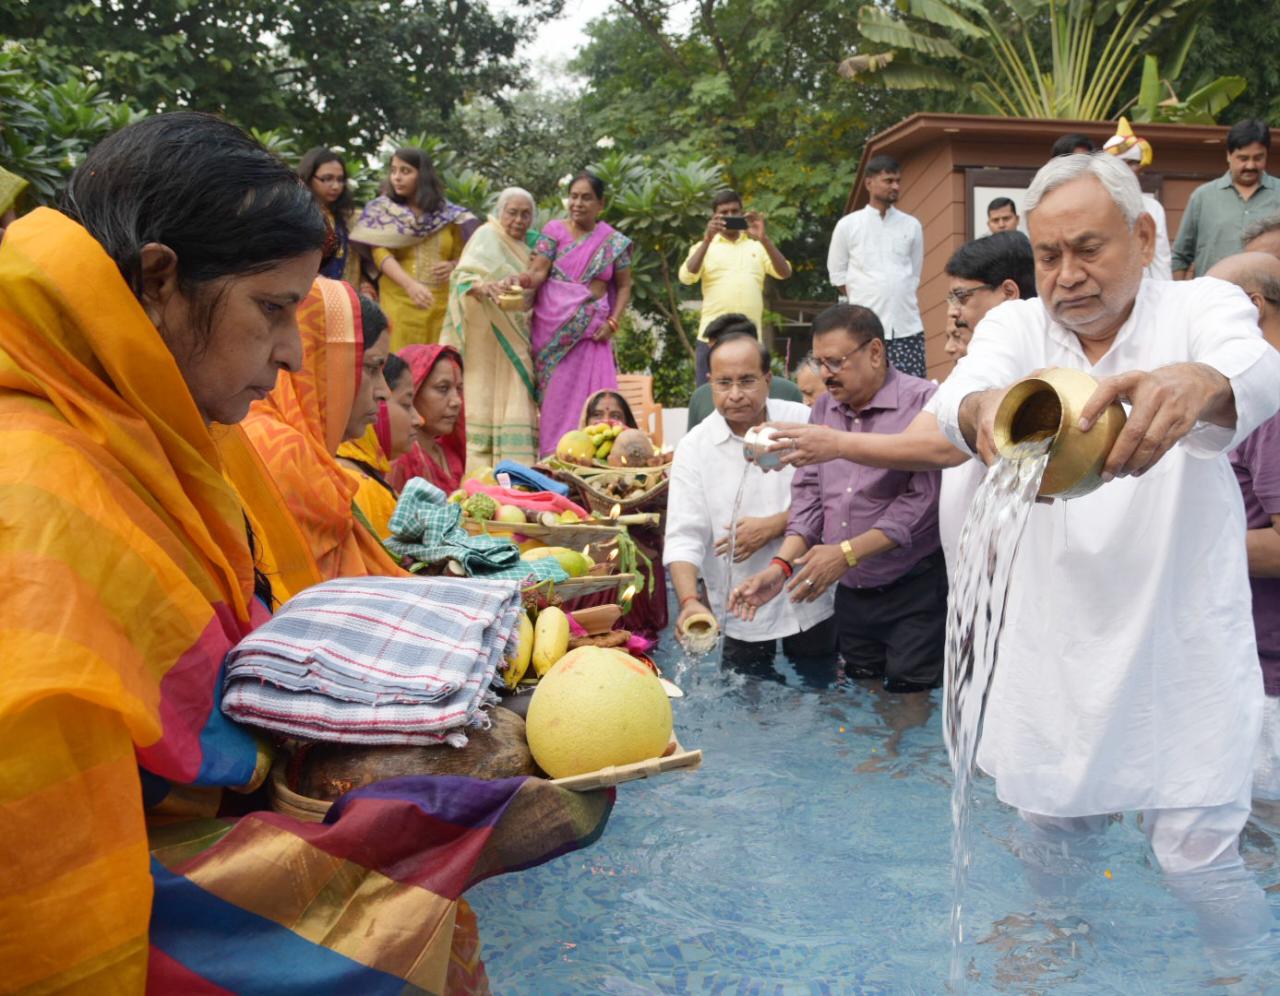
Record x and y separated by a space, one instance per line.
1127 676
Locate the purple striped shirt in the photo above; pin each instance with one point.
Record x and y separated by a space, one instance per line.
840 500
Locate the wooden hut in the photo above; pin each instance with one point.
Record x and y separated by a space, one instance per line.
954 164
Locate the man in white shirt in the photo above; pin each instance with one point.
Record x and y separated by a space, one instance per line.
875 260
1127 675
706 476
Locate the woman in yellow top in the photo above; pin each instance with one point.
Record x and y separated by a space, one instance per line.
415 237
368 458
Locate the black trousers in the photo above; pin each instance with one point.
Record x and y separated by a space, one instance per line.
897 632
812 653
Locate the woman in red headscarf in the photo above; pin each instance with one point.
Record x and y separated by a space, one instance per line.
439 451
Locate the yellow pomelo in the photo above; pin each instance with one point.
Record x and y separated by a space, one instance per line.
595 708
575 446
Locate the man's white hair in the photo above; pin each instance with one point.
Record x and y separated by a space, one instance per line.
509 194
1116 178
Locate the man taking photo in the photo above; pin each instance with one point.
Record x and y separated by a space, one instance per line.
731 261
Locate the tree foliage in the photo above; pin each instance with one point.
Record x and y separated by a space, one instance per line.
1020 58
336 72
749 85
50 116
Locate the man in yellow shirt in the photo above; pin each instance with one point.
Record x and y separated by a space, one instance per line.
732 261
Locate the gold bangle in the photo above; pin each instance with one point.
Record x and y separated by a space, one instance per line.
850 557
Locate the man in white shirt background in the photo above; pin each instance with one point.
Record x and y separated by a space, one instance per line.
706 473
875 260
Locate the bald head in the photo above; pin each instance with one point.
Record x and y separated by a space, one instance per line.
1258 275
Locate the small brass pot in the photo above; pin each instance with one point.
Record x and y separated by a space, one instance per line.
1049 404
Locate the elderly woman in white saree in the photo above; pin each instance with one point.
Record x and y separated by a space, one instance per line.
499 383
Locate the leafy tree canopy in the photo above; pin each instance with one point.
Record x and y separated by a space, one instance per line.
337 72
751 85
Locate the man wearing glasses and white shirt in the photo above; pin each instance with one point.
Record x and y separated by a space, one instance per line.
706 472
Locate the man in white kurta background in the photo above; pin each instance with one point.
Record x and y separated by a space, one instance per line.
875 260
706 475
1127 676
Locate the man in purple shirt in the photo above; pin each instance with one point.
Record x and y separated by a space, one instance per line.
1256 462
873 531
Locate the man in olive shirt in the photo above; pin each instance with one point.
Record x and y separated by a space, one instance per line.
701 403
1219 211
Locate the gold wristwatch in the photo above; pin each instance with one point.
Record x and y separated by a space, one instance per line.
850 557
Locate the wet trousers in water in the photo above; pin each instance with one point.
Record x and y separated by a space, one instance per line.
897 632
1198 852
812 652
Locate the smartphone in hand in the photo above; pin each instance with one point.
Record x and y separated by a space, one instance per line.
735 222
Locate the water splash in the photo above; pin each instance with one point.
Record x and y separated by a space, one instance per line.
975 617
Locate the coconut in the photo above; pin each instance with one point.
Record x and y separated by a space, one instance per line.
632 448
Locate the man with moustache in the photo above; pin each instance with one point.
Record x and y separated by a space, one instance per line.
875 260
983 274
1218 212
1128 672
871 533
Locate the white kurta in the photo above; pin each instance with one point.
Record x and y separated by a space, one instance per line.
1128 675
878 260
705 474
1161 265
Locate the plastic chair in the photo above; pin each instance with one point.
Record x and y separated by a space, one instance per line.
638 390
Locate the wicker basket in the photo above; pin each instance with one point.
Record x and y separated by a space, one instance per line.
285 800
603 503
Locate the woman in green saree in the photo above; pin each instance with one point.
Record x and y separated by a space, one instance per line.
499 383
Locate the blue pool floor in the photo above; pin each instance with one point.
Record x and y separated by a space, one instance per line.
811 854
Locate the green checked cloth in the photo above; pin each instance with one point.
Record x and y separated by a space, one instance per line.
426 527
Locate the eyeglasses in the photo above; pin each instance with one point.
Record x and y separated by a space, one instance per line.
835 366
960 296
723 385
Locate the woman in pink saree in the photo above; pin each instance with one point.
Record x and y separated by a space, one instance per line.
584 267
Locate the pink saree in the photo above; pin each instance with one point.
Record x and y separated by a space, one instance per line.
569 363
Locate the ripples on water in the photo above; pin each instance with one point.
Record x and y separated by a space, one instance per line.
807 858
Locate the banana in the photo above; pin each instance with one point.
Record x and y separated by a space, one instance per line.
518 662
550 638
575 564
603 449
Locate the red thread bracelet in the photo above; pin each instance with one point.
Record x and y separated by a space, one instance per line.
687 599
787 569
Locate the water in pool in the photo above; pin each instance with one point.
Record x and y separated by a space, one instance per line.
812 854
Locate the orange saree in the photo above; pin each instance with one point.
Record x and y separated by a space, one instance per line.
297 429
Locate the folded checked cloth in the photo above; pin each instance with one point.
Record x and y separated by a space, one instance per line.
518 473
426 527
376 660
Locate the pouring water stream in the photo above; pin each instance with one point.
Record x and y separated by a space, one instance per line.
975 617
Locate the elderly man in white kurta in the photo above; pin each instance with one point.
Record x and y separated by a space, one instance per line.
1127 676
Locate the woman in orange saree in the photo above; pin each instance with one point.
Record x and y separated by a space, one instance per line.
160 304
297 429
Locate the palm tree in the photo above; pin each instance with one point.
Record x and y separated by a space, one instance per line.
1030 58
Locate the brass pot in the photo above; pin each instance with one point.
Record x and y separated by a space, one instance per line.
1049 404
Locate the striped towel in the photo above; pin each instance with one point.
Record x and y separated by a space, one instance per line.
376 660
